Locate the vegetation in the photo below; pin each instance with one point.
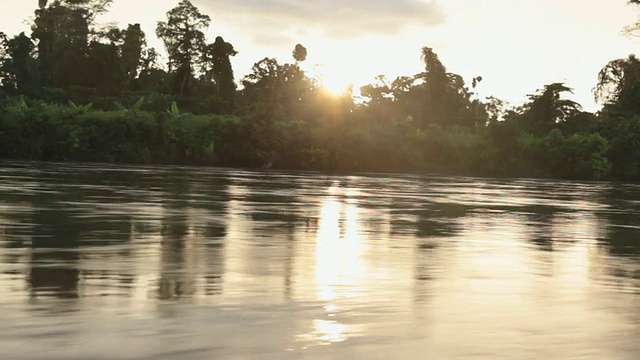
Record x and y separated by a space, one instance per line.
73 90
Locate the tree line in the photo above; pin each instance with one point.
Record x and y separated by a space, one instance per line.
77 90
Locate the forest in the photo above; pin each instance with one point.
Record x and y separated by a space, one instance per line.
76 90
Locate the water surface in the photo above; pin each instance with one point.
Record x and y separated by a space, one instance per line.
120 262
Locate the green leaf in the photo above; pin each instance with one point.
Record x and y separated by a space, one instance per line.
23 104
119 106
138 104
175 111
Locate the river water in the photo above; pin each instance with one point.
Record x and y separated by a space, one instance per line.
123 262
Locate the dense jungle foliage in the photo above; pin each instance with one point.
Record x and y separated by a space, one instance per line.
74 90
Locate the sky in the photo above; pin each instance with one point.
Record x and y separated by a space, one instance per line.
517 46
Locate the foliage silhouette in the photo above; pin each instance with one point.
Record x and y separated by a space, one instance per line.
192 110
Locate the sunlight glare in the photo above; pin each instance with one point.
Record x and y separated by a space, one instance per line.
325 333
335 85
331 79
340 267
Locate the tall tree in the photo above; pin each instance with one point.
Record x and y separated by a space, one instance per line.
18 67
89 8
62 32
220 52
4 59
548 106
435 84
379 98
619 86
407 98
446 98
280 90
134 42
545 110
152 77
106 73
184 41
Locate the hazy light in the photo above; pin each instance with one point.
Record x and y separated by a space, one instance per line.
340 270
325 332
517 46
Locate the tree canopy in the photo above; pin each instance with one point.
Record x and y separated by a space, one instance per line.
75 89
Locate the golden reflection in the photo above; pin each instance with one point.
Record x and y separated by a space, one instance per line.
11 273
237 228
340 271
339 251
325 332
576 235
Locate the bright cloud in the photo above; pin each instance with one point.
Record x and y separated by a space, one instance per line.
342 18
516 45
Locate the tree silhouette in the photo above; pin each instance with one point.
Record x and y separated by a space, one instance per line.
300 53
277 88
436 80
548 106
619 86
184 41
134 42
219 54
445 97
62 31
18 71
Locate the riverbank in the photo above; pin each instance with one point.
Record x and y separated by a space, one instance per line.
50 132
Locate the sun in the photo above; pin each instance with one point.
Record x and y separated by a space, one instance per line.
335 85
332 80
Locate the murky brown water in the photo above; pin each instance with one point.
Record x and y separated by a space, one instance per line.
106 262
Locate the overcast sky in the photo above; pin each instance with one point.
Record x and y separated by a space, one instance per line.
516 45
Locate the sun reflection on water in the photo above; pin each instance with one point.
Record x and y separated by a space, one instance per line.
340 269
325 332
339 251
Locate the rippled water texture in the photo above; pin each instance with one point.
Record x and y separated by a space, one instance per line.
110 262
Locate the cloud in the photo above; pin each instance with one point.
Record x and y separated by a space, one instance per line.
335 18
267 39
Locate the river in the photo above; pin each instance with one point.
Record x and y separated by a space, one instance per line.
141 262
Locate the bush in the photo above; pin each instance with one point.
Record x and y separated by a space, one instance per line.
624 151
35 130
